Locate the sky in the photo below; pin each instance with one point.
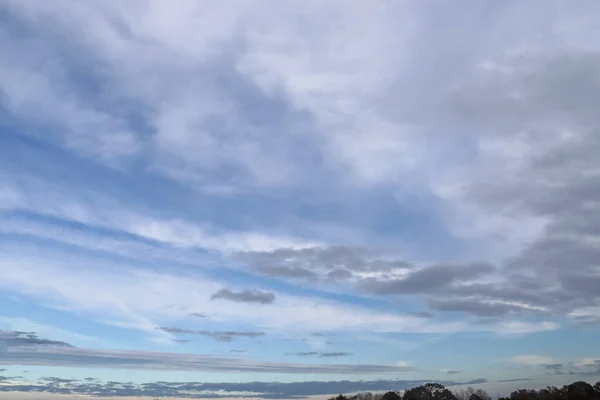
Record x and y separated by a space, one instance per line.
286 199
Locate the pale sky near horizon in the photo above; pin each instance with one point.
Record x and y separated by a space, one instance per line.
298 198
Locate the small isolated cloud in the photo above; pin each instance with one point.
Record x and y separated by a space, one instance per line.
324 355
532 359
245 296
221 336
452 372
336 354
198 315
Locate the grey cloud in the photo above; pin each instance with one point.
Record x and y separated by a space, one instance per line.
319 263
336 354
453 372
245 296
339 274
557 180
421 314
557 369
198 315
571 368
323 355
221 336
18 339
181 340
587 320
288 272
475 306
269 390
428 279
69 356
514 380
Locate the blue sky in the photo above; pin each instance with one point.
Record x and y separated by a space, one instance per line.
303 192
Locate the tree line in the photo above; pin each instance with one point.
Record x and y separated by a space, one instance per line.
434 391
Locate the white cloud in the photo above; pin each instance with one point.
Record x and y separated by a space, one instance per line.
141 299
98 210
518 327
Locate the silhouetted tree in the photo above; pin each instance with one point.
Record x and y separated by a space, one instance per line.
472 394
581 391
391 396
429 391
551 393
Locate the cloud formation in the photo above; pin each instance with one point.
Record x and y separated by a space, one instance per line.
324 354
327 264
245 296
275 390
221 336
46 353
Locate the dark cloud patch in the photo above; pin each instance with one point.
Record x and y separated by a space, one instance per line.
554 180
323 355
453 372
339 274
475 306
181 340
57 380
269 390
336 354
591 368
245 296
221 336
288 272
421 314
556 369
587 320
335 263
514 380
198 315
428 280
10 339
